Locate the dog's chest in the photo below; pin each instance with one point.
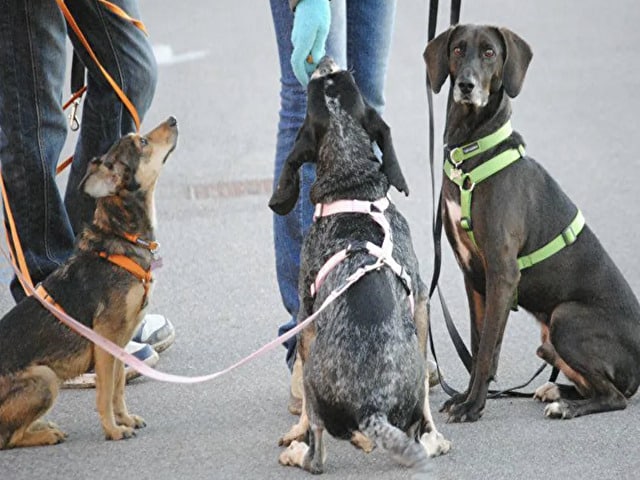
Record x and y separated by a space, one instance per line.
458 238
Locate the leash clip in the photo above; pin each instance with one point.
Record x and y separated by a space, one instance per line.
73 117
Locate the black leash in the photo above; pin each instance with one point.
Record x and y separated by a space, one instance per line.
458 343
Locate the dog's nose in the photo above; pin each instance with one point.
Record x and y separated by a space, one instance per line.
466 87
171 121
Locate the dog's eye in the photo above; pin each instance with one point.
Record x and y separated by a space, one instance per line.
144 142
458 52
489 53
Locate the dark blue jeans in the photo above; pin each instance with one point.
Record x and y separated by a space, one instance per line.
33 126
359 39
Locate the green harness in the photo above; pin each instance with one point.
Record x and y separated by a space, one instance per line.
466 181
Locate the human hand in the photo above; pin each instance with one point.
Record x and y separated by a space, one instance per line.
311 24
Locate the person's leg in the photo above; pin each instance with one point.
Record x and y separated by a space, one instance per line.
289 231
126 53
33 131
370 26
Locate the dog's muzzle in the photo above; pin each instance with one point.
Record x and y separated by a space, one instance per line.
326 66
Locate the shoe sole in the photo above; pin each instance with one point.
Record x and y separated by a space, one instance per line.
88 380
164 344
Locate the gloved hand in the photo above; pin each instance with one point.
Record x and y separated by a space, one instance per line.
311 23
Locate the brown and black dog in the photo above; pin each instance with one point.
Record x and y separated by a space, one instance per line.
37 352
590 317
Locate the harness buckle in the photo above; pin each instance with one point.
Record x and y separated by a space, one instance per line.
466 224
569 236
466 183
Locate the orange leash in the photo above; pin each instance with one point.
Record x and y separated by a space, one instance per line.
74 26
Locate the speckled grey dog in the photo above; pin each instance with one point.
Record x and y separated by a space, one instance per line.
364 357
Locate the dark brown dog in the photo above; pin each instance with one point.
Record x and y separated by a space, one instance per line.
36 351
590 318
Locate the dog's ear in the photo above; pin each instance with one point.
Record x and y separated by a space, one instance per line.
101 180
436 56
285 196
380 133
518 54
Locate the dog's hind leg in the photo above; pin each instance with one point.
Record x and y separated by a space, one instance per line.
120 411
579 362
29 396
598 394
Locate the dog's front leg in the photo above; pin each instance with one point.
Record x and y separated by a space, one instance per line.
105 386
502 277
297 432
120 411
477 303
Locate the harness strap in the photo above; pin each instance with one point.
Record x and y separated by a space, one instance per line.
134 269
384 253
460 154
568 236
350 206
467 181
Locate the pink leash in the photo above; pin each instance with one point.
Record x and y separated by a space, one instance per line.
146 370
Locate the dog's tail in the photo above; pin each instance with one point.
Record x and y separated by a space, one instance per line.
405 450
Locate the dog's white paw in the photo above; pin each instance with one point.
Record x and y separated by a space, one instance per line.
558 410
549 392
435 444
294 454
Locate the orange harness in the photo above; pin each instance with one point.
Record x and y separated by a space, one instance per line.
122 261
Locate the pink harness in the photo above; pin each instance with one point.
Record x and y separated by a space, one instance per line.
383 253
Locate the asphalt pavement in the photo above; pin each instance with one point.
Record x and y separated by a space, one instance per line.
218 75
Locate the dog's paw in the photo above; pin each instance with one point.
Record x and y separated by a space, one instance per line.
558 410
465 412
457 399
549 392
133 421
435 444
297 433
294 454
361 441
120 432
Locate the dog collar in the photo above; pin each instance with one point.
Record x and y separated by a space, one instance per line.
458 155
150 245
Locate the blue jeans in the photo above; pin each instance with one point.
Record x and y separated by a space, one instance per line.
360 40
33 126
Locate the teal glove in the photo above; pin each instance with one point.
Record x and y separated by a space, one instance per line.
311 24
